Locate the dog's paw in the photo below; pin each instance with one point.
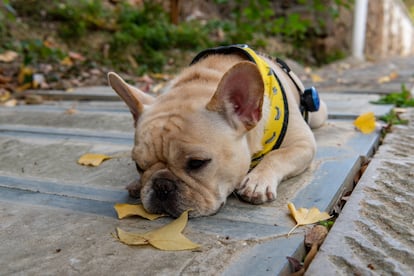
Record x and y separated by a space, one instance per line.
257 190
134 188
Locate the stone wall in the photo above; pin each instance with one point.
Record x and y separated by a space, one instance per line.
390 30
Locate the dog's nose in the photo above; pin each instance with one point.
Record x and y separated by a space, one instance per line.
163 188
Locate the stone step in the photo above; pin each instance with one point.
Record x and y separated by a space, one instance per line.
45 194
374 233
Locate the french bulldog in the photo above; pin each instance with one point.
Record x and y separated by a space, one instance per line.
204 138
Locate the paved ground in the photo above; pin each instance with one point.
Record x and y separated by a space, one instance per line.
375 232
57 217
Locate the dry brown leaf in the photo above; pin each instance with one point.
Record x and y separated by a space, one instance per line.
316 235
305 216
127 210
8 56
4 79
10 103
365 122
93 159
168 237
76 56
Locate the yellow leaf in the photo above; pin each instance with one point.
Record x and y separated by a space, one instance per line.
130 238
67 61
25 75
23 87
304 216
365 122
168 237
4 95
388 78
126 210
316 78
92 159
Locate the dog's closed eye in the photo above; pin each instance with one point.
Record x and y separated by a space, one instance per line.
196 164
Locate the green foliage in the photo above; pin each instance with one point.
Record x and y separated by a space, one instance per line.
35 51
7 15
327 223
144 35
392 118
399 99
79 17
255 22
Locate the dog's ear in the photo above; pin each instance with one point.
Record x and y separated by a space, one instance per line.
239 96
133 97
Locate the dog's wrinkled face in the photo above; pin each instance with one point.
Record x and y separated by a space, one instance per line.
184 165
190 145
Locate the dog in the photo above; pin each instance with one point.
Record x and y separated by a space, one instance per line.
233 121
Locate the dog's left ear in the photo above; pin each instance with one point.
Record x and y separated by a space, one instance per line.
239 96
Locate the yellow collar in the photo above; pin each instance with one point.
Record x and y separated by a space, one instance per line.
276 125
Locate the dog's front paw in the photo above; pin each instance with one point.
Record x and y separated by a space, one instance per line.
257 190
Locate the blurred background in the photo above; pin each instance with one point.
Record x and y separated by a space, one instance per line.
65 44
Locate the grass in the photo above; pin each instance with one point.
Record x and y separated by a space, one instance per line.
141 38
399 99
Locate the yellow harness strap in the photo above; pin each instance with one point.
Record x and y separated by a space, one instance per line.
276 125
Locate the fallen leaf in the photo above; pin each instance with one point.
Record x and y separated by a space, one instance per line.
316 235
25 75
10 103
168 237
304 216
160 76
158 87
130 238
4 79
4 95
23 87
388 78
294 264
8 56
33 99
316 78
67 61
93 159
126 210
365 122
71 111
76 56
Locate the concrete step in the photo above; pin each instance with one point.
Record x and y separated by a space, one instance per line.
374 233
57 216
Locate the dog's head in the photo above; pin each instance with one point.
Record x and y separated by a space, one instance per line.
190 146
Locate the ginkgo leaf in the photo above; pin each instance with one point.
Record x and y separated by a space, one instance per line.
168 237
93 159
126 210
131 238
365 122
305 216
